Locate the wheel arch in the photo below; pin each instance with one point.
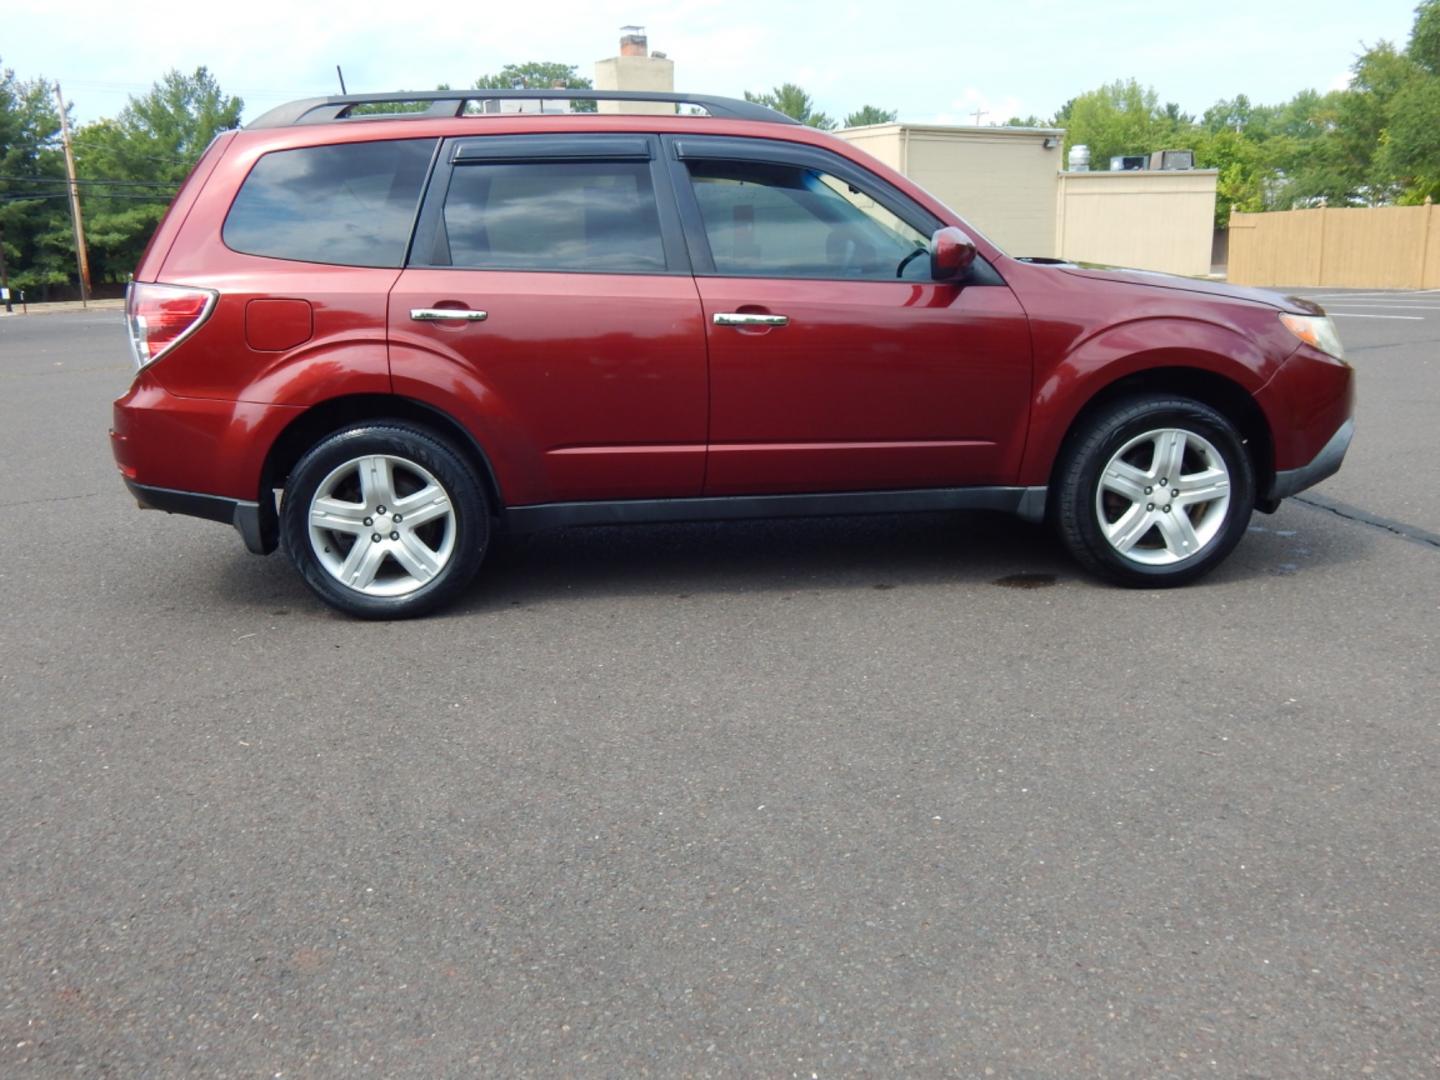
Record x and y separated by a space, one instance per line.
329 416
1220 392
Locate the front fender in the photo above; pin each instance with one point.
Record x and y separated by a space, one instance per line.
1092 364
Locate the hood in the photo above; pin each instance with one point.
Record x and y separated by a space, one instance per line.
1157 280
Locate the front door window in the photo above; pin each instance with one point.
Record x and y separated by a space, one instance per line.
775 220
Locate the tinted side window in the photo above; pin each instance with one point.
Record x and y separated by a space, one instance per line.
578 216
350 205
787 221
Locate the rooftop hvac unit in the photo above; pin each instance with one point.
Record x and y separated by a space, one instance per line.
1127 163
1172 159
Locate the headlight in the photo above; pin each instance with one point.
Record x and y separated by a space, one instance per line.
1316 331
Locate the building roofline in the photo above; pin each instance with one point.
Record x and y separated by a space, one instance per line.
1139 172
969 129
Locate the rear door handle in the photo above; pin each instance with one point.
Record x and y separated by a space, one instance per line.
426 314
745 318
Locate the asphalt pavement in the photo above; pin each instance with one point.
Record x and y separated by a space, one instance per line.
853 797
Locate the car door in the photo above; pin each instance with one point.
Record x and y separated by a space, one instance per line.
836 363
548 303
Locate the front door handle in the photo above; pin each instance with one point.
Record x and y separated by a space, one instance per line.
745 318
426 314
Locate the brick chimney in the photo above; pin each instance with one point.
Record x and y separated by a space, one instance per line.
633 41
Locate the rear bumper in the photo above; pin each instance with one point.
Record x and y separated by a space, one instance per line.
198 456
1324 464
193 444
243 515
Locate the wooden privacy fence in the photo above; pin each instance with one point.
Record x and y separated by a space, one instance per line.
1384 247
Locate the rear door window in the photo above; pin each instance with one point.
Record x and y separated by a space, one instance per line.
578 216
348 205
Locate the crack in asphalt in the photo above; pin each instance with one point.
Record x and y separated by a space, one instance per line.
1413 533
1390 345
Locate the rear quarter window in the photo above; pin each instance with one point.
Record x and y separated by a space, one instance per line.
348 205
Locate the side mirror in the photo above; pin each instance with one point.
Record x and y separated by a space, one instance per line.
951 253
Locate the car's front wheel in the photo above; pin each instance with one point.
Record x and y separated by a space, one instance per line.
384 521
1154 491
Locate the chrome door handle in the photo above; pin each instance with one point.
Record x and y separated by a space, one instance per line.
427 314
740 318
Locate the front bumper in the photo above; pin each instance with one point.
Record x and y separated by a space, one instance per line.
1326 463
245 516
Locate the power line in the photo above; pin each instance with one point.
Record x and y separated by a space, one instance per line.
78 180
37 197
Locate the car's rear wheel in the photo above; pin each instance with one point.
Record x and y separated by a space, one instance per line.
384 521
1154 491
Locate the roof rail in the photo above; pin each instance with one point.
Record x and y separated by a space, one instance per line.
446 103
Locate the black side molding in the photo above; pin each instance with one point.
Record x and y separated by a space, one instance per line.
244 515
260 534
1029 503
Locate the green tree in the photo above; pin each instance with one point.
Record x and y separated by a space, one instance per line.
1363 115
1410 148
1409 153
1239 160
143 155
870 114
1121 117
1177 120
33 212
1425 37
1230 114
539 75
794 103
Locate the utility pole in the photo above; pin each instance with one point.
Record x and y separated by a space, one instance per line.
82 257
978 113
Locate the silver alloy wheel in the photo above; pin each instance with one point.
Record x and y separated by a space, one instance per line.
1163 497
382 525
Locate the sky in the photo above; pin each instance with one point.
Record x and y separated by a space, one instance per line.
933 62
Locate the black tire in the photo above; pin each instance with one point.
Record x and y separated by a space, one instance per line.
1083 511
408 452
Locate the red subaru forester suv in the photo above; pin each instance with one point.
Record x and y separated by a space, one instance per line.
375 339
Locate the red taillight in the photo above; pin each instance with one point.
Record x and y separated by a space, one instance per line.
162 316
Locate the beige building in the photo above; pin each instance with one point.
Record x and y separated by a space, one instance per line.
1150 219
1007 183
636 68
1000 179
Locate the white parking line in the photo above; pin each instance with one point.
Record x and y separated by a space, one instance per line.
1402 307
1358 315
1391 294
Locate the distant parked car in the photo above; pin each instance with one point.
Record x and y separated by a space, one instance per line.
374 339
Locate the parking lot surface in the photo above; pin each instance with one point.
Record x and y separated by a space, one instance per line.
814 798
